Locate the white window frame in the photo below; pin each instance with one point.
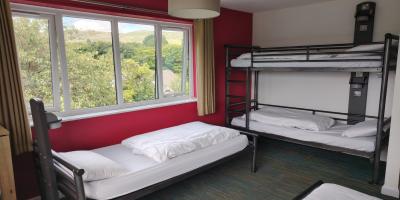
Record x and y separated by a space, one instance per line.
185 59
53 57
59 61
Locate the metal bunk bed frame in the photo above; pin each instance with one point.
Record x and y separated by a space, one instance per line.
236 105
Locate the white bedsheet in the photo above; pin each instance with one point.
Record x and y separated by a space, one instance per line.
247 63
329 191
145 171
292 118
332 136
168 143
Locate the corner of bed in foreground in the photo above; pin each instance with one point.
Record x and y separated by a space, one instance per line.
330 191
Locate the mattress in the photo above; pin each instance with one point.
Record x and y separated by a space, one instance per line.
145 171
328 191
314 64
332 136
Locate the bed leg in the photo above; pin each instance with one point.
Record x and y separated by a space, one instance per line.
254 149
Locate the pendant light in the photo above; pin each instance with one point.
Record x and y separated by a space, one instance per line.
194 9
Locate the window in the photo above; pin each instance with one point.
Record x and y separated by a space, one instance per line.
174 66
89 53
138 61
37 59
82 63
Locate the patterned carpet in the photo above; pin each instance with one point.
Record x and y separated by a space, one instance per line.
284 170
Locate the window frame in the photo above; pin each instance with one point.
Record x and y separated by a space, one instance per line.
53 57
185 59
60 66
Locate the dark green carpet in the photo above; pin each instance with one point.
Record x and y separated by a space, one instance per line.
284 170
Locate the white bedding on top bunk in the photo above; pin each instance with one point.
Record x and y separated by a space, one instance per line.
329 191
144 171
342 64
332 136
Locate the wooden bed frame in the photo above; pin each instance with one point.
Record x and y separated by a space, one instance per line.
54 173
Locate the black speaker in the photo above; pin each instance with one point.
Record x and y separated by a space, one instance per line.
364 27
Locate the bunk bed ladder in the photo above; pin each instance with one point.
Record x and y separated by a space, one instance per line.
245 100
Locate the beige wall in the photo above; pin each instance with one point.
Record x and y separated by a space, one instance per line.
322 23
391 186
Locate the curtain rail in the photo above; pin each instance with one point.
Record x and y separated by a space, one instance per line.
124 7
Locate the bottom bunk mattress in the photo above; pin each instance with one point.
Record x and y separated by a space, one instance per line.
329 191
332 136
144 172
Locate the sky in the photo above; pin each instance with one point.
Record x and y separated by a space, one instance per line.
103 26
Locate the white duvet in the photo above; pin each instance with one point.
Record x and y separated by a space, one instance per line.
329 191
292 119
171 142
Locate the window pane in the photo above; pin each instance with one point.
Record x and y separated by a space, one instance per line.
137 48
33 47
88 46
172 57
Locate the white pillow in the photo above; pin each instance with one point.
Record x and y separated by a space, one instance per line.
292 119
369 47
362 129
96 166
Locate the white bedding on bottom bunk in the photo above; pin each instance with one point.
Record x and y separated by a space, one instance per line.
246 63
328 191
145 171
332 136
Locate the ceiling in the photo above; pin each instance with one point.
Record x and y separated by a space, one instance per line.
264 5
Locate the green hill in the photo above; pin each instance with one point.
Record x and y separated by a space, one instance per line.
135 36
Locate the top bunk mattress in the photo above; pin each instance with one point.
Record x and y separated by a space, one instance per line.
145 171
332 136
362 56
305 64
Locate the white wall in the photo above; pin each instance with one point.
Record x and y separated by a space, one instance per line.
322 23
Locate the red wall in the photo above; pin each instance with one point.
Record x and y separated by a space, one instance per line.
232 27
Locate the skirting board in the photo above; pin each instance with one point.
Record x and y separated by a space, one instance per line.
390 191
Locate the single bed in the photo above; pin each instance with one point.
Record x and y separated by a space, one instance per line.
121 171
330 191
144 172
331 137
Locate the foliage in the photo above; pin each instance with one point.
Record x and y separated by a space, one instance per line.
90 64
34 58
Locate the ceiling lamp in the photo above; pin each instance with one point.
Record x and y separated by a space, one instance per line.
194 9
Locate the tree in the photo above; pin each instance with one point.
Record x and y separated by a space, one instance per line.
32 41
149 41
90 65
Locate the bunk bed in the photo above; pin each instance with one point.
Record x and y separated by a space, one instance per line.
367 58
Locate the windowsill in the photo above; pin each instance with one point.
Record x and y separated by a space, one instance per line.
68 118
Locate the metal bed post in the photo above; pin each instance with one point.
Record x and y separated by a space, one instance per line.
227 74
248 90
44 156
256 76
382 106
